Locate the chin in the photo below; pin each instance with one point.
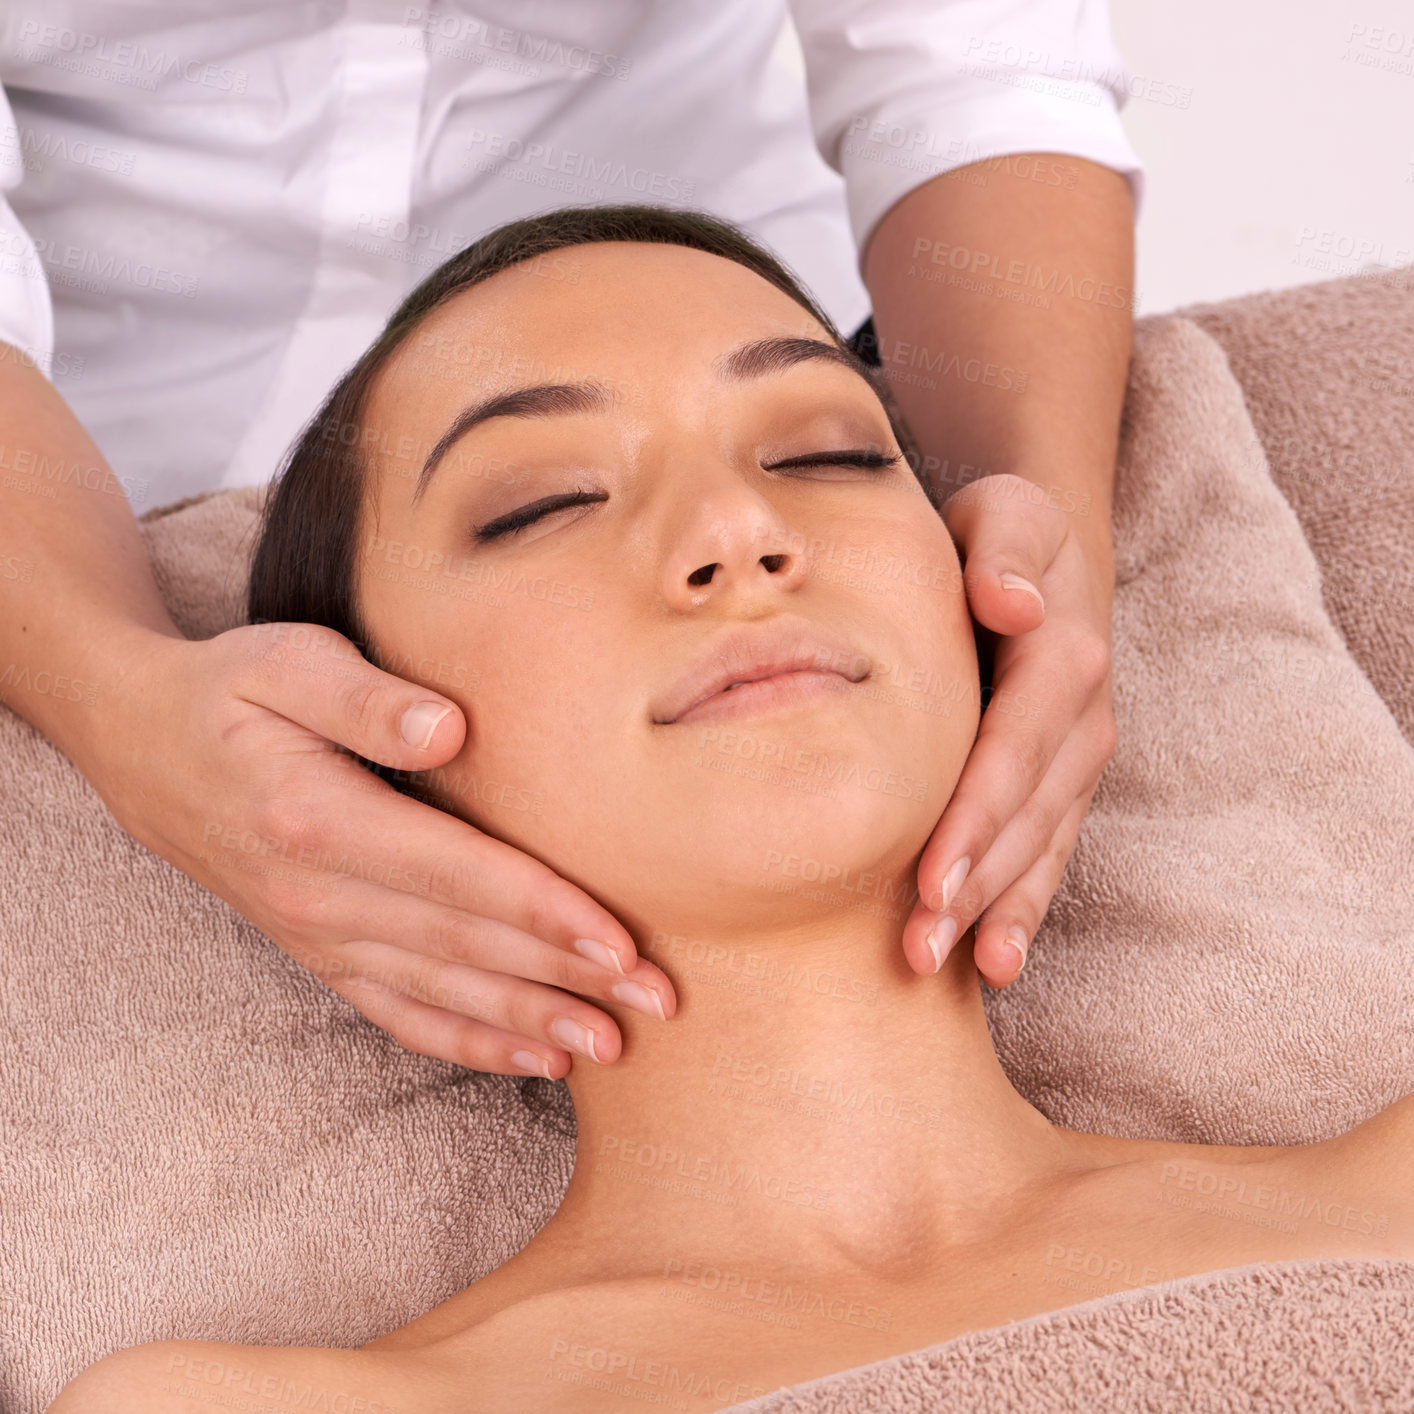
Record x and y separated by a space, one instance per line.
760 822
752 853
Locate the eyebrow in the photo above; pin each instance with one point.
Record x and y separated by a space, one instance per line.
759 359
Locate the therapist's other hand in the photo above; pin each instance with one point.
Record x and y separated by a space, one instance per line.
998 852
222 759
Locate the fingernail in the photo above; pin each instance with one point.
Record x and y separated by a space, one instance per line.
640 998
574 1036
953 882
600 953
1015 581
941 936
530 1063
1016 940
420 721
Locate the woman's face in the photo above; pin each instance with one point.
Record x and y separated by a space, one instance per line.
713 540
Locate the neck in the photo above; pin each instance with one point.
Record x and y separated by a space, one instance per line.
813 1103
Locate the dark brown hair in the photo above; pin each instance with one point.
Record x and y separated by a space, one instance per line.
304 567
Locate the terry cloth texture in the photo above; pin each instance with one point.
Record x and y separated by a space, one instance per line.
1316 1337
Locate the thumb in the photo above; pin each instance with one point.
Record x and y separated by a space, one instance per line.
318 679
1007 543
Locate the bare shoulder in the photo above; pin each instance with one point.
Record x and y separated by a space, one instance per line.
1377 1158
1353 1193
1392 1128
1207 1206
189 1376
616 1344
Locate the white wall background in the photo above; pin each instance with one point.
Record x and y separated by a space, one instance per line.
1294 160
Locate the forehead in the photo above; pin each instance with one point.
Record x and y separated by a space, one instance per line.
611 309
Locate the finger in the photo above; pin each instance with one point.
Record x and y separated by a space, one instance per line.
1009 925
529 1010
1028 834
1025 838
422 850
1039 696
1008 543
430 932
449 1036
317 678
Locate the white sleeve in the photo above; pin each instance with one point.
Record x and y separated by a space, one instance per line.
26 310
903 90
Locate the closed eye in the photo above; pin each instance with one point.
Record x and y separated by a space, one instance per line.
866 459
518 519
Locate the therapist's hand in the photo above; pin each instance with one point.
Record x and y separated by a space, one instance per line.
999 850
220 756
1032 390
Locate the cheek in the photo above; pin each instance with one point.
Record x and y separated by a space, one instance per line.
546 720
545 708
934 685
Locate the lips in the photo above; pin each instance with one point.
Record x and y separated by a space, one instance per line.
755 653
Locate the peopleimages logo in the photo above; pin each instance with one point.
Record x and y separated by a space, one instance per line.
1021 65
33 148
123 61
460 36
603 172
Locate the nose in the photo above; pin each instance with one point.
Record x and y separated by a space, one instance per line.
732 540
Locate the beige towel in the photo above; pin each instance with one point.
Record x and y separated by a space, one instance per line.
1328 374
200 1140
1316 1337
1236 927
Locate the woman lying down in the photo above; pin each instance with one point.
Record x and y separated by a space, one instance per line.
706 439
